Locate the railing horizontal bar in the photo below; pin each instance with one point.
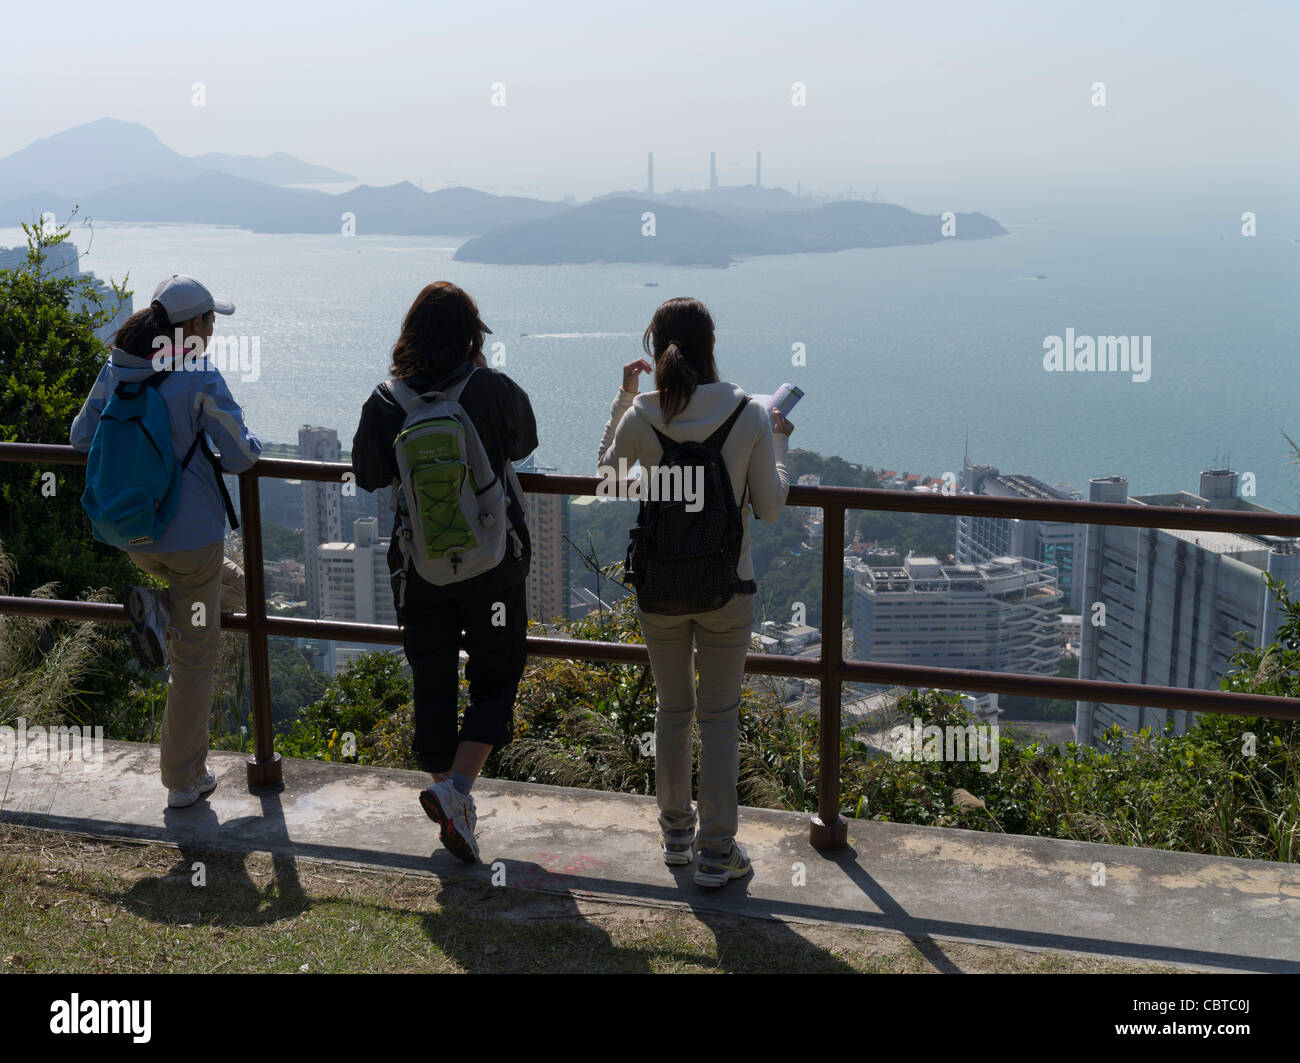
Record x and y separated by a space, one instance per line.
1222 520
967 679
755 663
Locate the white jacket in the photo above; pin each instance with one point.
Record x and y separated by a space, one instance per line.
753 453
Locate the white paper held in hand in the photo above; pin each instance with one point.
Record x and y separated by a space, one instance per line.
784 400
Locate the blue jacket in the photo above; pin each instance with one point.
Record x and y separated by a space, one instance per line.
197 400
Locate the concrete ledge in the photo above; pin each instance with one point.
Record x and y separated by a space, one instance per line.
927 883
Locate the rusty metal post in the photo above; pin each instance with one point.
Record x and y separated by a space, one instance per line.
830 830
265 771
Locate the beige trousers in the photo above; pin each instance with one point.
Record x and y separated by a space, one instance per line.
206 578
722 639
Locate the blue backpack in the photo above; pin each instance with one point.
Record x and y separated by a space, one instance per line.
133 480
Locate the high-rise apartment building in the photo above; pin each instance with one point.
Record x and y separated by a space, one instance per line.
999 615
354 584
1165 606
984 538
548 573
354 578
321 515
62 260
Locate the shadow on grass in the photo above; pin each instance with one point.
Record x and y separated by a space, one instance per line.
214 888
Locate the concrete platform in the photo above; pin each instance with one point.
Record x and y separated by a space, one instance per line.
930 884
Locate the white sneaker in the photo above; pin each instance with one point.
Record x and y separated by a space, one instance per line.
717 869
150 613
457 817
184 798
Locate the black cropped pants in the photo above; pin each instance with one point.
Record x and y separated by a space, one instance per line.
495 627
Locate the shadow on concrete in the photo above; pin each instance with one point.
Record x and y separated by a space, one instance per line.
185 893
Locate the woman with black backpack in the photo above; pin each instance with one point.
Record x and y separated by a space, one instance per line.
694 417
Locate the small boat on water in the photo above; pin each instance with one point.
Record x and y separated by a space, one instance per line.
652 284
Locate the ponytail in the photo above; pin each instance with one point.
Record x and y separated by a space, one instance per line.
138 332
674 379
681 364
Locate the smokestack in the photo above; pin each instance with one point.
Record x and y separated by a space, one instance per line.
758 169
713 169
650 173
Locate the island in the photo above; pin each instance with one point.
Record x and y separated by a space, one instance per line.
631 229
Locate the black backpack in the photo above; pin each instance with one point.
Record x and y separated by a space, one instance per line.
685 562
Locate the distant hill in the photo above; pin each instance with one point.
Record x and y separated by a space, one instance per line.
609 230
215 198
275 169
108 152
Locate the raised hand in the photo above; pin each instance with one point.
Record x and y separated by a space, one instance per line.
632 371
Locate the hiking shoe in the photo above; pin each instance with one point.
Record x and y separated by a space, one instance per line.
150 613
457 817
717 869
678 847
184 798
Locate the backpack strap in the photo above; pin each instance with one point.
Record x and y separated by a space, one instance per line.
719 436
411 400
720 433
407 398
132 388
716 439
201 443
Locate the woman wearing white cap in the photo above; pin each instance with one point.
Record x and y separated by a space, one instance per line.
150 350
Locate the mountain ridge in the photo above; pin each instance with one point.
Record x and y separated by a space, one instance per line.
109 152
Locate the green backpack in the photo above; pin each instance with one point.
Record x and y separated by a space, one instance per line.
451 503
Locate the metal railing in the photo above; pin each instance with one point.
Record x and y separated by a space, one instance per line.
829 830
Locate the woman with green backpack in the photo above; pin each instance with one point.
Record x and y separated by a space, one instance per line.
154 489
444 432
695 422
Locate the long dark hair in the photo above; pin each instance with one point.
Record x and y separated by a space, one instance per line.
441 331
138 333
680 339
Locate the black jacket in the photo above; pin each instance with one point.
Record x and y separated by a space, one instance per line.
503 418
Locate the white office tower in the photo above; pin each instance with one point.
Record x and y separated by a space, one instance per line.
999 616
321 517
1163 607
984 538
61 260
354 585
547 517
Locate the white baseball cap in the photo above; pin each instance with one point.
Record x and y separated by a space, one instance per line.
183 298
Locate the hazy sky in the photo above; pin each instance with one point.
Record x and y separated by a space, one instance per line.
938 105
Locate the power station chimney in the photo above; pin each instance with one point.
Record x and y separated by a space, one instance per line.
758 169
650 173
713 170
